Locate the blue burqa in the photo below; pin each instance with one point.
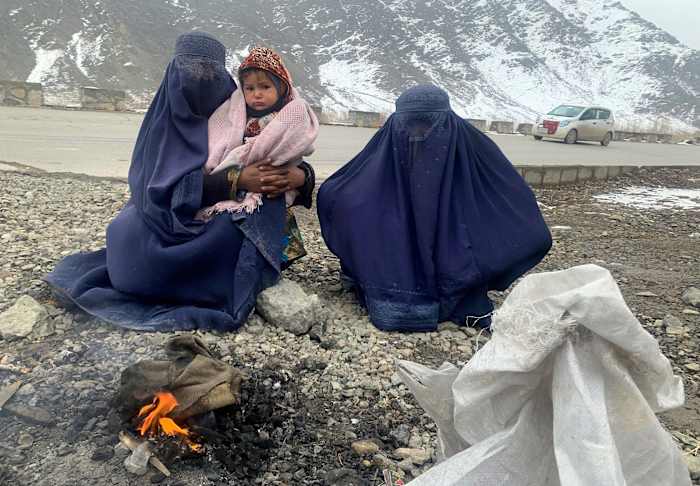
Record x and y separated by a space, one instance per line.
162 270
429 217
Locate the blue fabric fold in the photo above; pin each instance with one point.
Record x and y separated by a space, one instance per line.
429 217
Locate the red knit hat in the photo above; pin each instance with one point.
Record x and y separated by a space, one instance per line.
266 59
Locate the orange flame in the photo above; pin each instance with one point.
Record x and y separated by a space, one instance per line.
156 419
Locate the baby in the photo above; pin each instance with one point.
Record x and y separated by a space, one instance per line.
266 118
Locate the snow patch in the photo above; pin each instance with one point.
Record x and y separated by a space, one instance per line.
86 52
353 86
642 197
235 57
45 65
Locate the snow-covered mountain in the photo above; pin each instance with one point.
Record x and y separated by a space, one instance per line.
497 58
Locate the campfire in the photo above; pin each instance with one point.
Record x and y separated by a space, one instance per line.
167 407
156 422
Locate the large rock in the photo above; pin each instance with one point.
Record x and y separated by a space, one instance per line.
286 305
692 297
19 320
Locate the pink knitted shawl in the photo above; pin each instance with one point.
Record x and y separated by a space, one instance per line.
286 139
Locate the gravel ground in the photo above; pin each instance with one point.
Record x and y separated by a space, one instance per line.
319 396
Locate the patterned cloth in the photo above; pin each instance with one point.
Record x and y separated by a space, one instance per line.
255 126
292 241
266 59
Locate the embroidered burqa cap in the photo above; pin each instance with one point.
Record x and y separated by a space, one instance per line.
200 44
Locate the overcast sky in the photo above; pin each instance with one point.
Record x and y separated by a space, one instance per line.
681 18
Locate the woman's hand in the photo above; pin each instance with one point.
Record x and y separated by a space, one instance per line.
270 180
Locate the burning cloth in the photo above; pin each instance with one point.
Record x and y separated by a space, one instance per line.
198 381
564 393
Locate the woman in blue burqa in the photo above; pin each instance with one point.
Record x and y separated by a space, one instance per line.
429 217
162 268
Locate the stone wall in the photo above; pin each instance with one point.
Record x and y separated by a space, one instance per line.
556 175
477 123
19 93
525 128
102 99
324 118
624 136
365 119
502 126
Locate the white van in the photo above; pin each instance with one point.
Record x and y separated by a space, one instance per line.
576 123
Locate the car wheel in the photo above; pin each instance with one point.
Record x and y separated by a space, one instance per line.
606 140
537 137
571 137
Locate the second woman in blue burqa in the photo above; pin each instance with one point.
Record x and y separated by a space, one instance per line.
429 217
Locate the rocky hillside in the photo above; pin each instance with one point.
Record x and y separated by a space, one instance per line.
506 58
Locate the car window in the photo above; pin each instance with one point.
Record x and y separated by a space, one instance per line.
588 115
603 114
566 110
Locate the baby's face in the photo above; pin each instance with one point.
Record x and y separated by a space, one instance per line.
259 91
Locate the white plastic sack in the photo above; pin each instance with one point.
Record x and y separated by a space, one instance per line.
564 393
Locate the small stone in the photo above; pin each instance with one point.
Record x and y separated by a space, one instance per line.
406 465
64 450
471 332
19 320
90 424
102 454
416 456
381 460
691 312
416 441
255 329
448 326
11 457
693 463
343 477
328 344
156 478
693 366
364 447
286 305
137 462
692 297
646 293
674 326
121 451
402 433
317 331
44 328
338 287
24 441
30 414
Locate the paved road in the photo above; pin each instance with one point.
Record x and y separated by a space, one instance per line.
100 144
